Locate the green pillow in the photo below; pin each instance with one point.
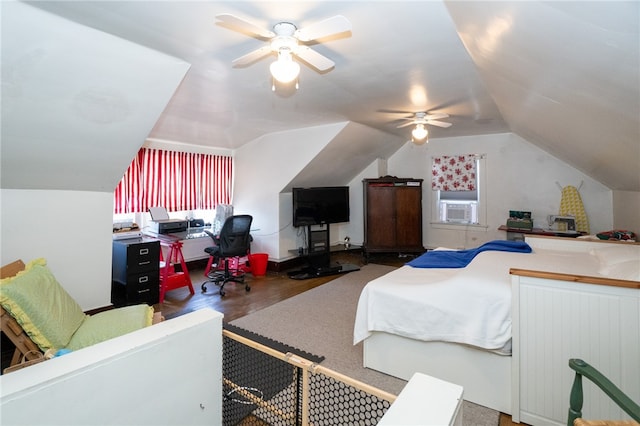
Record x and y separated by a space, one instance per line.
109 324
41 306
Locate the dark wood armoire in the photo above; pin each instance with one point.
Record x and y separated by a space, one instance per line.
392 215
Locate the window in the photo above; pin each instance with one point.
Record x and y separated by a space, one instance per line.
178 181
458 190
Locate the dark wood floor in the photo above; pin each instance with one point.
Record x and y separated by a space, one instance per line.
265 291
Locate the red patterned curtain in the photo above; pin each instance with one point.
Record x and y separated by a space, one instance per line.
454 173
174 180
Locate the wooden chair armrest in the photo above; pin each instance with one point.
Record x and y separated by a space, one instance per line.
607 386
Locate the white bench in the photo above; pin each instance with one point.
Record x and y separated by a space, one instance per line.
426 400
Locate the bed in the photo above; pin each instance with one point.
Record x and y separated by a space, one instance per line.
457 325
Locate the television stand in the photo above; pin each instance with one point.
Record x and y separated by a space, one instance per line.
318 257
323 271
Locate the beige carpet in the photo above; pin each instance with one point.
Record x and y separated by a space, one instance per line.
320 321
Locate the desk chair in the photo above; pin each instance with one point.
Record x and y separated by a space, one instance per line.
576 397
234 241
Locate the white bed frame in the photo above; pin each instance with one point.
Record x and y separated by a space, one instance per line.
496 381
485 376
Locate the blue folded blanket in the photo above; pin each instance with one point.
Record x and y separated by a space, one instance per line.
461 258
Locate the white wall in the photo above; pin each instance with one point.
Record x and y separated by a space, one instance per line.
355 228
626 211
72 230
166 374
519 175
262 169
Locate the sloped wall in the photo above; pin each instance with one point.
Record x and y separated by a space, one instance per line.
265 166
520 176
267 169
77 103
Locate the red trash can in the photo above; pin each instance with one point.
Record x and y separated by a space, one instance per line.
258 263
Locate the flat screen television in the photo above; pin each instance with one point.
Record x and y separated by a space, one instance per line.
320 205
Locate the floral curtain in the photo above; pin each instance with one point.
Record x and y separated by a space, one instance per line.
174 180
454 173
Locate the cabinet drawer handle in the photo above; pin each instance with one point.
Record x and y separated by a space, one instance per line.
143 279
144 263
144 251
144 291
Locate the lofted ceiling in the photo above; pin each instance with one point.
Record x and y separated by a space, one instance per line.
563 75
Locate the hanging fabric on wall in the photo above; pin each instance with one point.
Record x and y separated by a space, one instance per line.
454 173
571 204
174 180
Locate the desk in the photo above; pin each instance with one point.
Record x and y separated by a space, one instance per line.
194 241
170 255
517 234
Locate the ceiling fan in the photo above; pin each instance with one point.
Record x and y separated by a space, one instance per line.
288 41
420 134
426 118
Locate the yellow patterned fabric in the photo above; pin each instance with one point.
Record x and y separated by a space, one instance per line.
571 204
44 309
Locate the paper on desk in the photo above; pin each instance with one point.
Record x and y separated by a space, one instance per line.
158 213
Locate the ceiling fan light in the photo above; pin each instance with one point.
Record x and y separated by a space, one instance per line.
285 69
419 134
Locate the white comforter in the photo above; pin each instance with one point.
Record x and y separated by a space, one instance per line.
470 305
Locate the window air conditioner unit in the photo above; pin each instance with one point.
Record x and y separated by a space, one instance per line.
456 212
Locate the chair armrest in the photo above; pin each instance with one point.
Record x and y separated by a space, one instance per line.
607 386
215 238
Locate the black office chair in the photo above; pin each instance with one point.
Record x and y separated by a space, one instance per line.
234 241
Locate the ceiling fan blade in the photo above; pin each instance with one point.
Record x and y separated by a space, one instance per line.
313 58
396 111
251 57
244 25
436 116
438 123
406 124
335 25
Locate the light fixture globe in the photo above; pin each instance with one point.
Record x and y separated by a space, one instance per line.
285 69
419 134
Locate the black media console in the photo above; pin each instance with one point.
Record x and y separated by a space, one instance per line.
318 256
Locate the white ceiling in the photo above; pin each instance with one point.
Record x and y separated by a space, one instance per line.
563 75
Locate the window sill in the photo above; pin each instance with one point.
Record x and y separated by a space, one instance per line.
459 226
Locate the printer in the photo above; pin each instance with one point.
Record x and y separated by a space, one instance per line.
168 226
161 224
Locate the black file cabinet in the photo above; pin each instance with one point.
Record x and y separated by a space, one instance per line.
135 272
